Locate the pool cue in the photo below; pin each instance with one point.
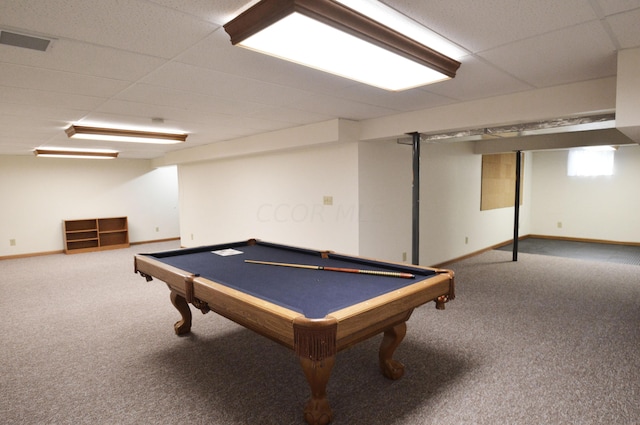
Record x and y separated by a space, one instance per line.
334 269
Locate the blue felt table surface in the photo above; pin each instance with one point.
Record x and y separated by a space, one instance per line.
314 293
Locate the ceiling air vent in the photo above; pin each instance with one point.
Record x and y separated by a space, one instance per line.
25 41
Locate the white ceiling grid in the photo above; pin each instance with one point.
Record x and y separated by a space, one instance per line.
129 61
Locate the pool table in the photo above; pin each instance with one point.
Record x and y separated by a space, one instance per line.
313 302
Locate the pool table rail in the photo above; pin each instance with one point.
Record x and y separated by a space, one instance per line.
252 312
362 321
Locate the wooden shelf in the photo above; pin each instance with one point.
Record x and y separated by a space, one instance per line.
95 234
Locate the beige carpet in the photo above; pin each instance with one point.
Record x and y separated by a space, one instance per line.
541 341
589 251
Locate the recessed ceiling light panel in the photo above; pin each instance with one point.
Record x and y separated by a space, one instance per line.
75 153
329 36
122 135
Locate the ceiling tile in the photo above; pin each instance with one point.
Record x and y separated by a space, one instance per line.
127 61
289 116
218 11
222 85
138 26
476 79
31 131
147 94
58 81
610 7
24 96
336 107
482 25
84 58
41 112
626 28
402 101
585 53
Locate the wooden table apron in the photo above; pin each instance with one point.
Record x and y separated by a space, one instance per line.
315 341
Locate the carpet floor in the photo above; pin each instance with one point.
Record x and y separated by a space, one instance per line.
611 253
545 340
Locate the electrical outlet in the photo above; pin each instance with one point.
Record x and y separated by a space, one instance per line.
466 240
559 225
327 200
157 229
404 256
12 242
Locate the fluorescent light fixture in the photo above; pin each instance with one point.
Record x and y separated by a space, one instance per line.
329 36
122 135
403 24
75 153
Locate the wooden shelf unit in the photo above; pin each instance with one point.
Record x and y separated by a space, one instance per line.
95 234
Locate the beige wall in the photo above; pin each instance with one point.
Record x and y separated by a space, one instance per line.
276 197
272 186
38 193
451 223
588 207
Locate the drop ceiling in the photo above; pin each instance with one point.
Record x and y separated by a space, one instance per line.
135 61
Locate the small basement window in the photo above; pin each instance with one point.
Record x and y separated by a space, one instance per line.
590 161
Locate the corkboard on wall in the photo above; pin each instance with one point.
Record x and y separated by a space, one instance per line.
499 181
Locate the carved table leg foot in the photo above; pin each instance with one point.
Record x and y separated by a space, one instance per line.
391 368
182 326
317 410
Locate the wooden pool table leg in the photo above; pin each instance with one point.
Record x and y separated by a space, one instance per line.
182 326
317 410
391 368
